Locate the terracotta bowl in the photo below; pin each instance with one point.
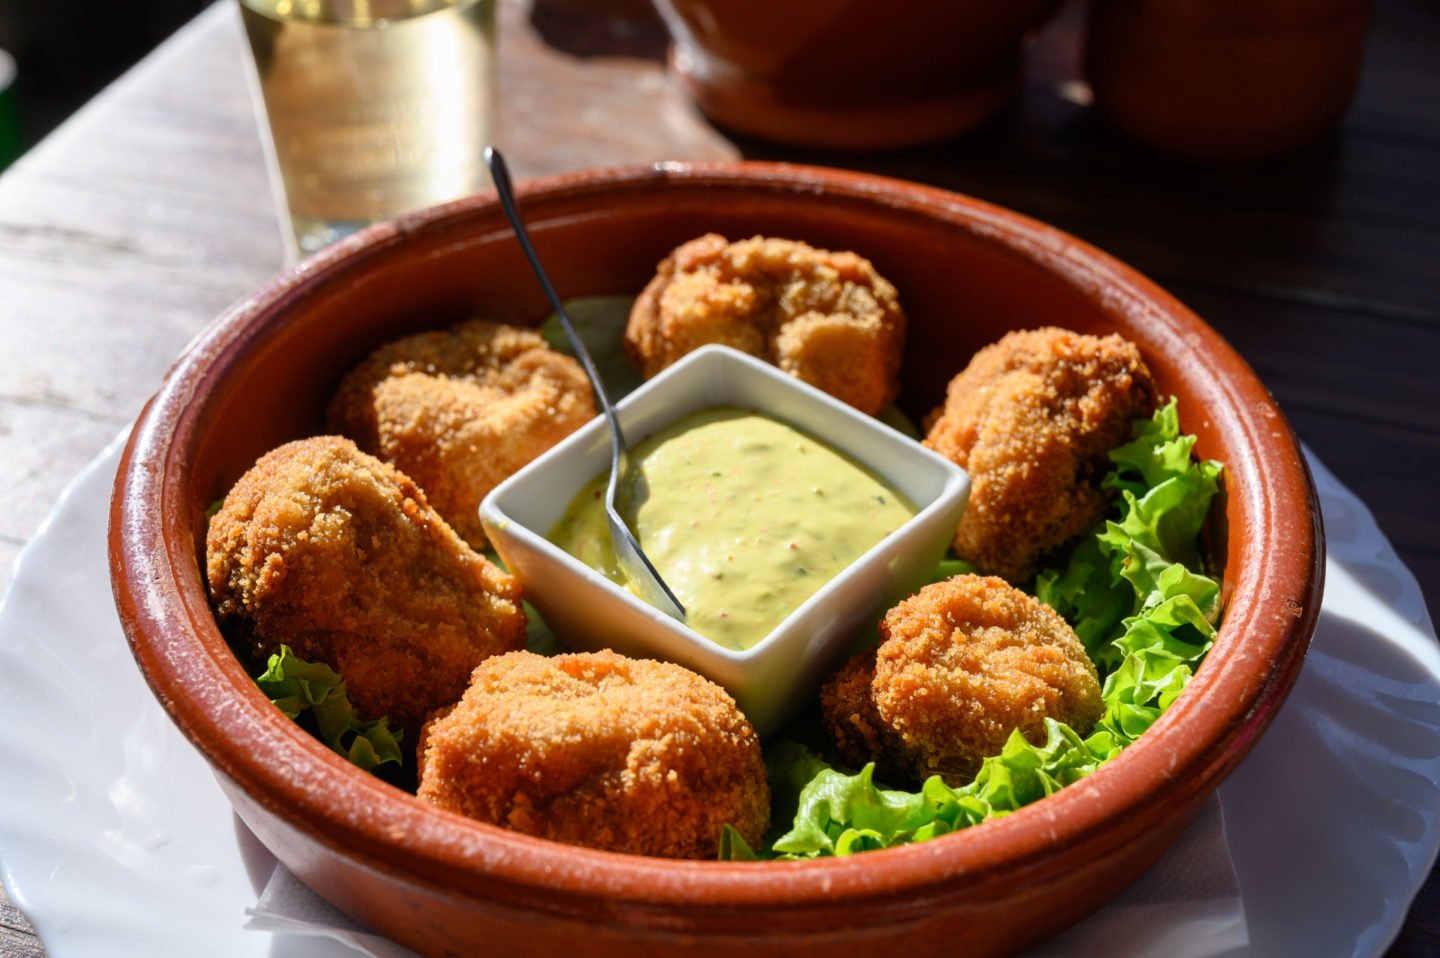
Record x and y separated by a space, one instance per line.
1222 80
967 273
847 74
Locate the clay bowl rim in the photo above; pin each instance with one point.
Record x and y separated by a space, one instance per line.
1273 602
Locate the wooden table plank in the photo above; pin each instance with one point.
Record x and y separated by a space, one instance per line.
14 944
11 917
17 938
120 237
1293 347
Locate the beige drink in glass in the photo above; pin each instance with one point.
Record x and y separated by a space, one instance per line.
375 106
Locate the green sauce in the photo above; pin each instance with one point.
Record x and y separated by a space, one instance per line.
744 517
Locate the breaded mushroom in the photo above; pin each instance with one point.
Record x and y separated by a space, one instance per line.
1032 418
962 664
331 551
847 705
599 750
460 410
827 318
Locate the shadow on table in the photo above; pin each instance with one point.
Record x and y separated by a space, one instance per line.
612 28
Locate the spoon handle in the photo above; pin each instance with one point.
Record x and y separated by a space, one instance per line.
500 173
637 565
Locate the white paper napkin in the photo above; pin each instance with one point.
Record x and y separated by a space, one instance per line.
288 907
1187 906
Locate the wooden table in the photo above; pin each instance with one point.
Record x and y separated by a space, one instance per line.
144 216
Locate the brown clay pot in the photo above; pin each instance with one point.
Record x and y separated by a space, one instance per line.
1224 79
446 885
850 74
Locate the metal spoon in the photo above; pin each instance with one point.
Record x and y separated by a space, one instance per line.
633 561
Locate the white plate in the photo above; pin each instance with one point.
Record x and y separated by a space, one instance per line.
116 841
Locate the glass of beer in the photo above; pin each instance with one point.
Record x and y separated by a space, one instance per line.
375 107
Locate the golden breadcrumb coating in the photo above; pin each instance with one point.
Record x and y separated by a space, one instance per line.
461 410
600 750
962 664
1032 419
847 707
826 318
336 554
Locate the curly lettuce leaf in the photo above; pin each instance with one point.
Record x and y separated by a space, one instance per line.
599 321
1161 648
1135 594
734 848
1165 499
539 637
950 565
1023 773
840 813
1090 594
894 417
315 691
850 810
1156 452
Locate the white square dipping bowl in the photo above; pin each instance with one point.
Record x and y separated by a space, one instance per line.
774 678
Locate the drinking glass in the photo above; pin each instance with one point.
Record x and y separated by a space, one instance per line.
375 107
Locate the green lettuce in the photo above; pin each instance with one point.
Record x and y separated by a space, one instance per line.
1090 593
539 637
839 813
1137 597
893 417
599 321
950 565
312 692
